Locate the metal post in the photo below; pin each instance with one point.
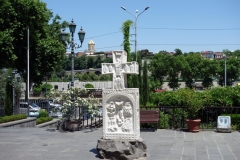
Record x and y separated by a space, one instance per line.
63 36
13 98
136 34
136 16
27 88
225 73
72 73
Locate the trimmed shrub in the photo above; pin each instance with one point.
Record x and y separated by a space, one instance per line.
6 119
43 113
88 85
43 120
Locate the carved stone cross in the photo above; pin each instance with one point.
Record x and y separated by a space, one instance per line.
120 104
120 68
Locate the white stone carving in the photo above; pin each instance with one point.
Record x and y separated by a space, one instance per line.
119 68
120 104
125 105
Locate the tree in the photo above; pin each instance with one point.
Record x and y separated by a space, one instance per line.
236 53
3 80
208 70
126 34
178 52
98 62
158 68
139 59
163 52
90 62
233 70
8 100
132 80
191 69
145 96
107 60
227 52
174 65
46 49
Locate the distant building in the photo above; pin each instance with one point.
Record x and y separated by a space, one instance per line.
219 55
213 55
207 54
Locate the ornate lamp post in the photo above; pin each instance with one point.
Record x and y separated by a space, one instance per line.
63 36
136 17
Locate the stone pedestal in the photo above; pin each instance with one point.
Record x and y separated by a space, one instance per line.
117 149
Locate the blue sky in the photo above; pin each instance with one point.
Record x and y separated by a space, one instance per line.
189 25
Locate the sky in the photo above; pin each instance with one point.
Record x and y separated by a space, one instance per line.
190 25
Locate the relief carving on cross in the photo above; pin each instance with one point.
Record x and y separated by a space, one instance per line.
119 69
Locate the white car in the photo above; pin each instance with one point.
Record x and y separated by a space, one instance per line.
33 109
54 105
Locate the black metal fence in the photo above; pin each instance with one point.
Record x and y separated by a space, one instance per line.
81 114
174 117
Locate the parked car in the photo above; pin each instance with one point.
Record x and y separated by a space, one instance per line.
55 109
54 105
33 109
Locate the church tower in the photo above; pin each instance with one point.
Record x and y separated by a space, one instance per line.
91 47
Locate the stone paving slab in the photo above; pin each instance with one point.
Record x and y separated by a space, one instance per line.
50 144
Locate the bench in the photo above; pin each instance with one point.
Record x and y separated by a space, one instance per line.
149 116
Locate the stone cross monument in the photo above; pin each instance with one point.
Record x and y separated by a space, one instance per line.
121 109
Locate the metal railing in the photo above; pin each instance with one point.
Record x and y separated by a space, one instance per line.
174 117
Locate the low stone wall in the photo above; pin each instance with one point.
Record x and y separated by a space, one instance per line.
28 122
51 124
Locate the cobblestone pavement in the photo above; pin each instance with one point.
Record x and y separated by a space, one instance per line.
50 144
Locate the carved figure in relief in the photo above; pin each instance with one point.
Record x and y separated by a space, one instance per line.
110 68
120 118
111 111
127 110
132 67
105 69
126 68
127 113
118 66
118 84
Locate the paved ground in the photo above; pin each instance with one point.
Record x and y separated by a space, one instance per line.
49 144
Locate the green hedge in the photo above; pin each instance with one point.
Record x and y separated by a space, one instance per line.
43 120
218 96
6 119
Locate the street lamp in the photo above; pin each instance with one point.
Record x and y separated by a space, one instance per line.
63 37
225 67
136 17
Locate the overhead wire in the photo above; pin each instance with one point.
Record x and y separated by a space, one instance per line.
162 28
193 29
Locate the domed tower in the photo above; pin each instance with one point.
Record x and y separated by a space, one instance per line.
91 47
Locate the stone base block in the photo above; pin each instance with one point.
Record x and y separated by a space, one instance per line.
121 149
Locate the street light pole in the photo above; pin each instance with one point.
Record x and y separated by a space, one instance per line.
136 17
63 36
225 71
